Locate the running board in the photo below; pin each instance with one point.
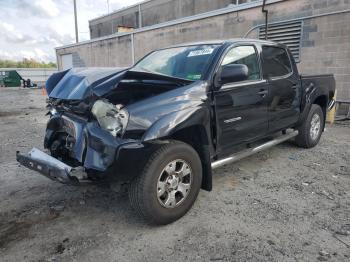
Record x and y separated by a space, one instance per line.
250 151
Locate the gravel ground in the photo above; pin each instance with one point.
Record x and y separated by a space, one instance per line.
284 204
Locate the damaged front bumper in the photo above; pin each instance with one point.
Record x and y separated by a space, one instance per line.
51 167
91 154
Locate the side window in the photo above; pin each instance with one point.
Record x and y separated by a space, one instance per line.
275 62
245 55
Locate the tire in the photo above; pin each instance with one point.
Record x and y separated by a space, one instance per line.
311 130
151 192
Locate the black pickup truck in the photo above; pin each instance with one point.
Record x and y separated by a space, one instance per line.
163 125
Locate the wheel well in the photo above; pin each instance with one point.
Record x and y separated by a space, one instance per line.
322 102
196 136
193 135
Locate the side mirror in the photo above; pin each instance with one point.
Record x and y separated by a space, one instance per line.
231 73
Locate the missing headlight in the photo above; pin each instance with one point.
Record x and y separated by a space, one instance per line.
110 117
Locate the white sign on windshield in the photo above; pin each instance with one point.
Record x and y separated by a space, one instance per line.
207 51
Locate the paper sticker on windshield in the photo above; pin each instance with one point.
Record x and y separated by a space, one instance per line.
207 51
194 77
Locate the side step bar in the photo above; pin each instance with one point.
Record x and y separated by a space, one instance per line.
250 151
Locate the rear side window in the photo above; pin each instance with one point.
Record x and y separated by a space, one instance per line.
275 62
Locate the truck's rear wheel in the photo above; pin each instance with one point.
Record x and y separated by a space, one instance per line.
169 184
311 130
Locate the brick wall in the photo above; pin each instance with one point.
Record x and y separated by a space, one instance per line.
326 49
153 12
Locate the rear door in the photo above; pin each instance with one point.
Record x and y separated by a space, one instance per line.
284 87
241 107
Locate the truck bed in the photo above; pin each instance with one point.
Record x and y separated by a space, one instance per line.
325 84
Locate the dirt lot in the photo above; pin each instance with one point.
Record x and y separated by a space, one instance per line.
285 204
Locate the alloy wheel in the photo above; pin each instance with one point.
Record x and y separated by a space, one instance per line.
174 183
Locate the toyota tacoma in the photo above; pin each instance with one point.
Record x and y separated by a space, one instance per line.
164 124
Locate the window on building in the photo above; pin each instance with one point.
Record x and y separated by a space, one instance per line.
275 62
245 55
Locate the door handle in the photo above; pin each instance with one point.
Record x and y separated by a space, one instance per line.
295 86
263 93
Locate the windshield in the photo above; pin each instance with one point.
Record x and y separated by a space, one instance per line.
187 62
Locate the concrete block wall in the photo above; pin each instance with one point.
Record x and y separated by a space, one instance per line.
107 25
158 11
154 12
220 27
326 49
325 40
114 52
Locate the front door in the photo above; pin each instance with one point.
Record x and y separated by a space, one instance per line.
241 107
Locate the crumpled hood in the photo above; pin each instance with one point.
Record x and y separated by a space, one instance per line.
78 83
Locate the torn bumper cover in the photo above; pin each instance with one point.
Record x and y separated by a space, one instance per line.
95 154
51 167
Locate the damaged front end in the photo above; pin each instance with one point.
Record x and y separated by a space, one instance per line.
92 134
80 150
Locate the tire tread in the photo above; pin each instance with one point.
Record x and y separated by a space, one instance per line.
303 140
136 186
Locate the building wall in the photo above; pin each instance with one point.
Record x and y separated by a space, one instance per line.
220 27
326 49
325 40
154 12
112 52
108 25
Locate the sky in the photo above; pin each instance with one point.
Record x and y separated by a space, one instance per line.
33 28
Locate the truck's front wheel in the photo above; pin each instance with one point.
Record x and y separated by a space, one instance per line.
168 185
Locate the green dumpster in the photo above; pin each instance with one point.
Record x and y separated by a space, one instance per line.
10 78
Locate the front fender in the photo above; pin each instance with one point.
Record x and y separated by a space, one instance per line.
192 126
175 121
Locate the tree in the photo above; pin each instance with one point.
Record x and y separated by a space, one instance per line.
26 63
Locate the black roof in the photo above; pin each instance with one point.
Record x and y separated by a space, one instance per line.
228 41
